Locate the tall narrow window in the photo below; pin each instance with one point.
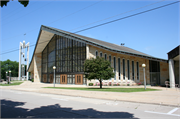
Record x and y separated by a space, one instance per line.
105 56
101 54
115 68
110 62
96 53
132 70
137 64
110 59
128 69
124 69
119 68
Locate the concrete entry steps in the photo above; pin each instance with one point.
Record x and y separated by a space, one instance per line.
167 97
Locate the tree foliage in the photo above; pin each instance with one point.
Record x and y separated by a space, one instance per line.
25 3
8 65
98 68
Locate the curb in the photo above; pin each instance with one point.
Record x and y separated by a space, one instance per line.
161 104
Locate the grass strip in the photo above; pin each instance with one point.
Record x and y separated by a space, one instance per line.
11 84
107 89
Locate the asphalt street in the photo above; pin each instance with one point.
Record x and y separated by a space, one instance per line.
21 104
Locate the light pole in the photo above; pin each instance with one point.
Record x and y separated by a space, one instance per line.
6 75
10 76
144 65
54 67
23 72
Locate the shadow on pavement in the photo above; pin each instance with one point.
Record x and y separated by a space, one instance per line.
10 109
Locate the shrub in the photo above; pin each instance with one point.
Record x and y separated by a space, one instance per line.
32 80
109 83
133 84
139 83
114 84
128 84
90 84
105 84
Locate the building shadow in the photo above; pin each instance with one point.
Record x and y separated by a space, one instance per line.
12 109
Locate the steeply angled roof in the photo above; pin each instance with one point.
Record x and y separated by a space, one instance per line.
106 44
46 33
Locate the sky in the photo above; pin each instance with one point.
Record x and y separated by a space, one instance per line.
154 33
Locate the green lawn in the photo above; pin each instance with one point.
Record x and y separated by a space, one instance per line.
107 89
12 84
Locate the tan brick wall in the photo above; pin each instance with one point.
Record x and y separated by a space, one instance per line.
92 51
32 74
164 72
37 67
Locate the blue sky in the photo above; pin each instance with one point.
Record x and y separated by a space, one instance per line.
154 33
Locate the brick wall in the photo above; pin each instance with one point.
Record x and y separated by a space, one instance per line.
92 51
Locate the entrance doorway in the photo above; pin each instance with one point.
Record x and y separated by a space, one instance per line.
154 71
51 78
63 78
44 78
79 79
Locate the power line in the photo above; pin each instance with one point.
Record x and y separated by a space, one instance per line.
9 15
11 12
31 11
65 17
60 18
92 22
118 14
23 48
76 12
106 23
126 17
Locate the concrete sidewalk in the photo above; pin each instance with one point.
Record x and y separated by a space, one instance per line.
169 97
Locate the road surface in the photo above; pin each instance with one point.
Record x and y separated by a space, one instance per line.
21 104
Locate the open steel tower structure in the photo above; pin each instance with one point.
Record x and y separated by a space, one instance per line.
22 47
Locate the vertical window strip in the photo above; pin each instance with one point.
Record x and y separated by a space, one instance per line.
101 54
96 54
105 56
132 70
137 70
128 69
115 68
110 59
119 68
124 69
110 62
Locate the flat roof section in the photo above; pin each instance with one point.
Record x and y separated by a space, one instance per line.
174 54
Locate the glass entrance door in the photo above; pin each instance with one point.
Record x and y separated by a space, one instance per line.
155 78
58 78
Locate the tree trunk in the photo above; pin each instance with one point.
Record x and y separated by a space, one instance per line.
100 83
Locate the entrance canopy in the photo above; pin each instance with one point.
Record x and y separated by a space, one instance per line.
174 54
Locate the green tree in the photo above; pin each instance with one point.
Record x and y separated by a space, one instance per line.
98 68
8 65
25 3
